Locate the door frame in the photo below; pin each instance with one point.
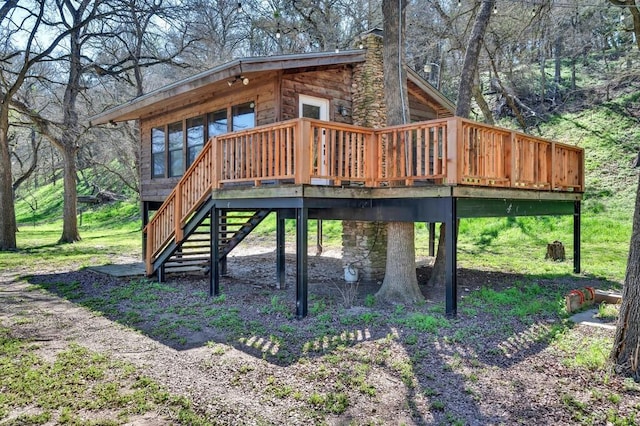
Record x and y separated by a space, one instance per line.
324 104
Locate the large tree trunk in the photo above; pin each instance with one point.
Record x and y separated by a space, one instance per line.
70 232
400 284
68 144
8 226
625 354
471 56
463 109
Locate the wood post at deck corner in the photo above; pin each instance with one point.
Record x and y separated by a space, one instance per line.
454 139
177 213
552 182
302 158
216 163
149 250
371 159
513 172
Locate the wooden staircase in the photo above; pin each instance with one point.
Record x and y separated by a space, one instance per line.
179 236
195 251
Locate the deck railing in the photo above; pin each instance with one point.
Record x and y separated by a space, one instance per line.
450 151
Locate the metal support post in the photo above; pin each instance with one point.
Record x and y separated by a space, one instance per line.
319 238
576 237
302 219
451 279
281 282
223 229
432 238
214 283
161 274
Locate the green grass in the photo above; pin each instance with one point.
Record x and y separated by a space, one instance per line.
590 352
522 300
78 387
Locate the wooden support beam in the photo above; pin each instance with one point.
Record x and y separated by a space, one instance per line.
302 219
281 282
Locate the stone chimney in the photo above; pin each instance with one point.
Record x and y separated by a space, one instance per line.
364 244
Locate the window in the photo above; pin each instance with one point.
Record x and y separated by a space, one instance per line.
195 138
243 116
217 123
176 163
174 147
158 149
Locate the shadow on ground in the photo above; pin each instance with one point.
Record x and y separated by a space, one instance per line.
424 354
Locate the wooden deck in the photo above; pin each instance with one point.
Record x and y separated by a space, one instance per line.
451 152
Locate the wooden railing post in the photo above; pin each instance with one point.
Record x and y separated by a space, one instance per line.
303 152
514 170
371 158
149 249
553 165
177 212
454 140
216 160
581 170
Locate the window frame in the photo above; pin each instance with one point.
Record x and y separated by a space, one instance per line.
185 149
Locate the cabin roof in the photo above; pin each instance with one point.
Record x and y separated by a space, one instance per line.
142 105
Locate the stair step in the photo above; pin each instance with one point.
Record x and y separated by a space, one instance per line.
187 248
184 260
190 254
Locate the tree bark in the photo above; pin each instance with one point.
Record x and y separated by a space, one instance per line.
635 15
70 232
626 346
463 109
400 284
471 56
8 225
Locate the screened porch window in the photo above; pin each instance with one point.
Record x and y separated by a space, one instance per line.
158 150
176 162
174 147
195 138
243 116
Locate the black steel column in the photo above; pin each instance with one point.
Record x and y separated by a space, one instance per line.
214 283
302 218
145 222
450 274
223 229
281 282
432 238
319 238
576 237
161 274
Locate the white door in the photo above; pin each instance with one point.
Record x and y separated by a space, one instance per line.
318 108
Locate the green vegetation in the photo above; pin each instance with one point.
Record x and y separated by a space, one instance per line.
78 387
522 300
590 353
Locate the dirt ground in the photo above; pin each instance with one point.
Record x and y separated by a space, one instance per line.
243 358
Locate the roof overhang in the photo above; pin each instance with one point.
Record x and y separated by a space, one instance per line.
136 108
188 88
437 95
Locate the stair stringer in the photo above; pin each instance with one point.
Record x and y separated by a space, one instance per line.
192 224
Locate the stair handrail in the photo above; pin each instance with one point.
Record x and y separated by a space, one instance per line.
179 205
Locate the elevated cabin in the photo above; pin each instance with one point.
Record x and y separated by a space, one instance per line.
303 136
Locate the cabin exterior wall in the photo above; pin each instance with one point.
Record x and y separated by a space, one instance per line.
261 91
